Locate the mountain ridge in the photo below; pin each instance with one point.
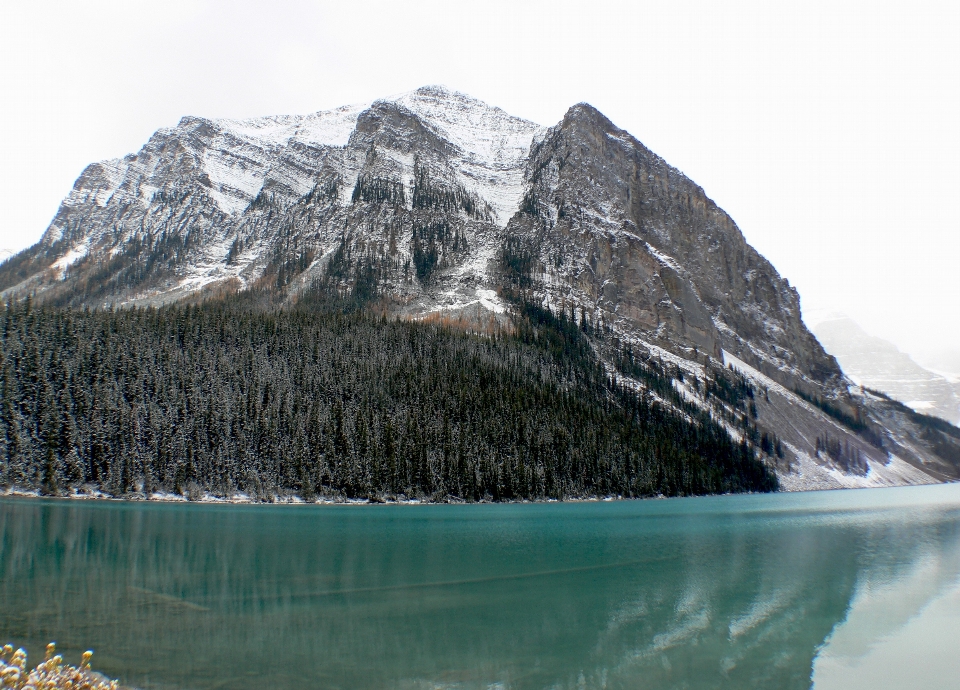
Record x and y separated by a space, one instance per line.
442 207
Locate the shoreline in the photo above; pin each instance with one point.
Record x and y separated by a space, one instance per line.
293 500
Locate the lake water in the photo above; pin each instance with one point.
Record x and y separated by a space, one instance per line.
855 589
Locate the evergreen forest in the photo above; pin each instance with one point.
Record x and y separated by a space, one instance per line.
231 396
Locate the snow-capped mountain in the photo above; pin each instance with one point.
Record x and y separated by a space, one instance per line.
878 364
450 201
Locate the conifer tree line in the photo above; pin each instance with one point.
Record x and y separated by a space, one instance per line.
333 400
433 243
445 198
850 460
379 190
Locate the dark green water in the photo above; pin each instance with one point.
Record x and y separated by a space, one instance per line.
726 592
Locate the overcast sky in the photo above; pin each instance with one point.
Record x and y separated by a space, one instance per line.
830 131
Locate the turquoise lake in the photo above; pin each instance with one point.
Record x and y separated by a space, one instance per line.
849 589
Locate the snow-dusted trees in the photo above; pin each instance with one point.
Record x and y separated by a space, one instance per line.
223 397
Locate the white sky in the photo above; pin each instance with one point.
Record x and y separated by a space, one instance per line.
830 131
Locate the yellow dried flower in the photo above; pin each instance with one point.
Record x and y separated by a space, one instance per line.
51 674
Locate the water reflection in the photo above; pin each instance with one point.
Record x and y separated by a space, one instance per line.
738 592
901 627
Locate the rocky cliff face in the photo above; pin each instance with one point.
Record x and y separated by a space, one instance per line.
613 226
449 205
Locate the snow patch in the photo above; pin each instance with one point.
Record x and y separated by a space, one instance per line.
663 258
666 356
622 139
113 171
71 257
490 300
807 474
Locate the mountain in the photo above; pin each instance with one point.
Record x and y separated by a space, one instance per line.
878 364
212 202
433 206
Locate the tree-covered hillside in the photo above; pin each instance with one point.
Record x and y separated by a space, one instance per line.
224 397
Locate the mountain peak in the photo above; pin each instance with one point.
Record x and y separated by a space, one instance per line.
441 206
436 90
589 115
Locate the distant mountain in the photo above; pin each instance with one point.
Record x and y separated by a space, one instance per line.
434 206
878 364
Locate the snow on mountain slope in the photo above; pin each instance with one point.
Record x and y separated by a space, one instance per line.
237 179
324 128
489 147
492 146
797 422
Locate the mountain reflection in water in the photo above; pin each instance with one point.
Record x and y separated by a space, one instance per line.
723 592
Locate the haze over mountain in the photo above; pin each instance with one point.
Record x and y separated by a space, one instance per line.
878 364
432 206
945 362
